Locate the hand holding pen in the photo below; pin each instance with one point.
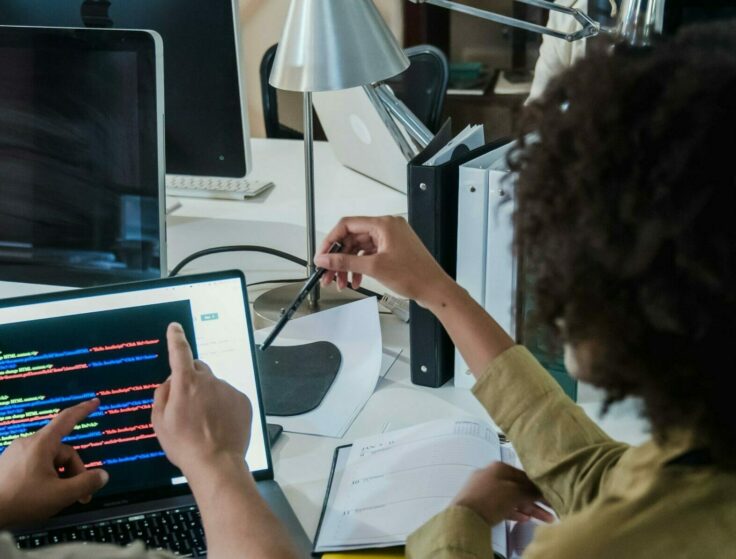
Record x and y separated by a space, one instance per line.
298 300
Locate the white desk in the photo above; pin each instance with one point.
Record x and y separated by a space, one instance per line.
303 462
338 190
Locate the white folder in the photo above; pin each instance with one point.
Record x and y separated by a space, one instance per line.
482 230
501 263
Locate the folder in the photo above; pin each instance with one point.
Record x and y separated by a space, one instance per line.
482 239
433 204
501 263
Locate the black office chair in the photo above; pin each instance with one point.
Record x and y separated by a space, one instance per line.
269 98
422 88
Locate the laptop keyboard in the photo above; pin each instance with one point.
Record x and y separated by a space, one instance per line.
177 530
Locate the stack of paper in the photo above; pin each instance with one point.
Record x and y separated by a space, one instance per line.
472 137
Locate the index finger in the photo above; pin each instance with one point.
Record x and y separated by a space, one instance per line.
64 423
181 359
347 226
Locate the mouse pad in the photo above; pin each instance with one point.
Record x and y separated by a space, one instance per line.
295 379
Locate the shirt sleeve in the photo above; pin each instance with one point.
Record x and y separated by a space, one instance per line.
8 550
455 533
562 450
555 55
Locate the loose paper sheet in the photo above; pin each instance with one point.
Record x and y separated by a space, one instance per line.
356 331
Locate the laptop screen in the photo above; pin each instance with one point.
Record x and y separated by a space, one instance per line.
110 343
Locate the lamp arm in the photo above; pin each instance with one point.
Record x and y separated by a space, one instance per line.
384 113
398 110
590 27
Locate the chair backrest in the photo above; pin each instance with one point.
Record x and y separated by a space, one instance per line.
423 86
269 100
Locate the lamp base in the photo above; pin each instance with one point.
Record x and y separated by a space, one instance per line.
267 308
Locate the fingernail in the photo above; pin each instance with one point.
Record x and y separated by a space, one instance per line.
176 327
104 477
320 260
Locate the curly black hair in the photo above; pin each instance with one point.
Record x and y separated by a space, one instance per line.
626 222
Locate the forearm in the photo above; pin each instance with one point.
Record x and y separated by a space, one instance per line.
563 451
474 332
237 521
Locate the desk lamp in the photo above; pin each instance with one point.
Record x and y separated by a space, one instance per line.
327 45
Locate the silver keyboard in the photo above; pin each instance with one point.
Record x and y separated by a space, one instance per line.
215 187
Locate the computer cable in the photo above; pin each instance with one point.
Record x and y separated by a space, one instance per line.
236 248
398 307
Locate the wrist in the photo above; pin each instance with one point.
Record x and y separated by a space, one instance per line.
215 469
476 508
441 295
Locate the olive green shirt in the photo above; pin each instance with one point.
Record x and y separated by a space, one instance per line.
615 501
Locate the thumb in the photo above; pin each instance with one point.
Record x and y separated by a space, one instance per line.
345 263
81 487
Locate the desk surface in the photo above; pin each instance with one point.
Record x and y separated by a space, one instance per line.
338 190
303 462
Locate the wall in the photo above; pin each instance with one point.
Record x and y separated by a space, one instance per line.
261 23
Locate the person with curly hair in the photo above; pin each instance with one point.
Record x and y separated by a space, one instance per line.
625 223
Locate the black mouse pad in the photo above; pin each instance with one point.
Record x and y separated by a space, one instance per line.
295 379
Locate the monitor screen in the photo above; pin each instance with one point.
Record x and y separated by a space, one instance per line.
111 344
80 169
204 109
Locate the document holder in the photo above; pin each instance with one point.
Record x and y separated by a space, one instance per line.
433 202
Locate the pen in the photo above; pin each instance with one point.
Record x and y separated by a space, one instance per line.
298 300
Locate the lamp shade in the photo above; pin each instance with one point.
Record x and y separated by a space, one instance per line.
328 45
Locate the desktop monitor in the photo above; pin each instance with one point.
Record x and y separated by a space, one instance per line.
81 156
206 116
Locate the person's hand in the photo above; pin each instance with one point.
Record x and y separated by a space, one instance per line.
385 248
201 421
40 476
501 492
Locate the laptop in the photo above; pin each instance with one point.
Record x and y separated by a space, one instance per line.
59 349
360 138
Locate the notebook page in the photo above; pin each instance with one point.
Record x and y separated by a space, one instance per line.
394 482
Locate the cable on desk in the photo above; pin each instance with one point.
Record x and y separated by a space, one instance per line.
276 281
236 248
387 301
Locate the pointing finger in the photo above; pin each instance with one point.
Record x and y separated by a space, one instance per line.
181 360
64 423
